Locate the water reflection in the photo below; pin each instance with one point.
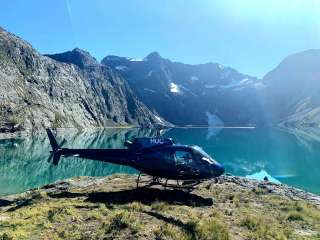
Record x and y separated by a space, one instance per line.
282 155
24 165
288 157
263 175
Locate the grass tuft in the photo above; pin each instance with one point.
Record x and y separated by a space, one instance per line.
212 229
295 216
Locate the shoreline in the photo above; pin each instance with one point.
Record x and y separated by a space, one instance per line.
28 132
243 182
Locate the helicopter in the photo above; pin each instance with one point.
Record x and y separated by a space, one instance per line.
160 158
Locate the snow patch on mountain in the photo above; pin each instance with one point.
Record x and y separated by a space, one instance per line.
244 81
122 68
187 90
239 85
194 78
232 84
149 90
135 59
214 120
174 88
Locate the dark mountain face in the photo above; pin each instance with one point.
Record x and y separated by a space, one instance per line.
293 90
77 56
192 94
63 90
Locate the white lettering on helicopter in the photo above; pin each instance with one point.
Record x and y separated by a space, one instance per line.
156 141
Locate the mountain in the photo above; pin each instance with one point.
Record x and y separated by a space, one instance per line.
192 94
70 89
292 90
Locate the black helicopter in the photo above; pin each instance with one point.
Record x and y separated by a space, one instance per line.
158 157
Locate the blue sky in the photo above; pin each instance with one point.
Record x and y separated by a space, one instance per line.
251 36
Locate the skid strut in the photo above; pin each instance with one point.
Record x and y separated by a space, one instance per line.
186 185
138 179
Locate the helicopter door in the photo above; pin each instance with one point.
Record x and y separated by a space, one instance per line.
184 162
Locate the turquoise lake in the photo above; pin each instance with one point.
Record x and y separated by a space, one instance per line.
255 153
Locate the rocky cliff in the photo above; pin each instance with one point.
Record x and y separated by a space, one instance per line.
38 91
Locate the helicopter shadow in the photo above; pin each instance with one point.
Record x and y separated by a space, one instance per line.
143 195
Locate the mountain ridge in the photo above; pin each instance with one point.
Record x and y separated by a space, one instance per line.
74 89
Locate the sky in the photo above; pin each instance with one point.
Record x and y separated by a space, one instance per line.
252 36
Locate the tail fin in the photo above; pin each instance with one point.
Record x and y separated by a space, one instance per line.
52 140
56 150
56 157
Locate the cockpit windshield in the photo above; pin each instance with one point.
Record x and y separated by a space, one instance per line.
202 155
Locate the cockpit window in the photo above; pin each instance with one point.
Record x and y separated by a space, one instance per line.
182 157
202 155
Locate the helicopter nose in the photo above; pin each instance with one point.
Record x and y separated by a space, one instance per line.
218 169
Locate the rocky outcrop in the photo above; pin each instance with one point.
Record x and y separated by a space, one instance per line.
38 91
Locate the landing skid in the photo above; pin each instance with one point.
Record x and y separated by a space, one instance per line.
185 185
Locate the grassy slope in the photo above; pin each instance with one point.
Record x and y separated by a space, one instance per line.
110 208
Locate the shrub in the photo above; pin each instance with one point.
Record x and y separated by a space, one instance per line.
295 216
121 220
5 237
249 222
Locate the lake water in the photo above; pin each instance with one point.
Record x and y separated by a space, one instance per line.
282 156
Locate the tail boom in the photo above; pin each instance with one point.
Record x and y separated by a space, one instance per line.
116 156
